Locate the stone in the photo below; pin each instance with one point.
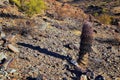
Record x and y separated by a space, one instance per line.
3 2
119 24
29 37
2 34
11 38
1 42
83 77
2 56
40 25
12 70
116 10
118 78
0 28
72 46
13 48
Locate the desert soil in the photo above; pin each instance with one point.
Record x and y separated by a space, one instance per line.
46 43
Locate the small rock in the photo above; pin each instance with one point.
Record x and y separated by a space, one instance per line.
2 56
0 28
41 26
95 31
95 49
11 38
12 71
3 74
76 32
83 77
117 30
117 78
14 79
116 10
2 2
2 35
1 42
12 48
29 37
35 55
119 24
21 56
72 46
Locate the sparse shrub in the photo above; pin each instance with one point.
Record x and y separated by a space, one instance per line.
30 7
104 10
95 14
104 18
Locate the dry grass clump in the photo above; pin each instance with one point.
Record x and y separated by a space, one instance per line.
104 18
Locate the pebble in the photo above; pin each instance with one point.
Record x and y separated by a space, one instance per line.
83 77
1 42
29 37
12 71
2 56
115 10
117 78
41 26
35 55
2 35
2 2
72 46
0 28
13 48
22 56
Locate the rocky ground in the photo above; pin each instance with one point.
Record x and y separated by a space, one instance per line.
46 43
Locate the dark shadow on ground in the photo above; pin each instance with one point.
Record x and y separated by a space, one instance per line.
99 77
30 78
9 15
37 78
108 41
45 51
78 73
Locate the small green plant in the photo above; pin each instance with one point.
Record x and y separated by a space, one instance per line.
30 7
95 14
104 10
